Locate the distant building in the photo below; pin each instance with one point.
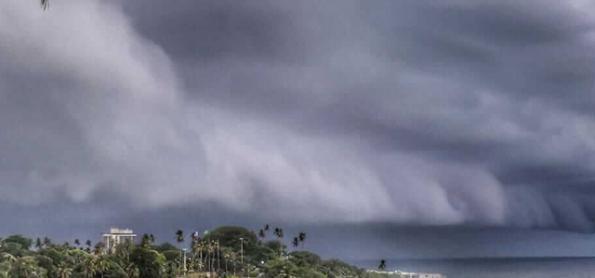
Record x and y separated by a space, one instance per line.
117 236
401 274
429 275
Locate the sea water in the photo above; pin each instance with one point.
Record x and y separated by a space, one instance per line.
497 268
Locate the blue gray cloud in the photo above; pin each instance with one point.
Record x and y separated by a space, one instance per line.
409 113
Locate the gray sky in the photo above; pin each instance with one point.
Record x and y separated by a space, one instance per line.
468 119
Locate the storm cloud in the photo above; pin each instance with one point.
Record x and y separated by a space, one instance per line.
403 112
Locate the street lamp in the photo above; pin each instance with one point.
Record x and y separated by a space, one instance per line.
242 250
184 262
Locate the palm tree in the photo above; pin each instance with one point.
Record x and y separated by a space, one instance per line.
382 264
64 271
302 238
180 239
145 241
8 257
45 4
179 236
296 242
261 233
47 241
279 233
99 248
102 265
38 243
89 267
152 238
77 242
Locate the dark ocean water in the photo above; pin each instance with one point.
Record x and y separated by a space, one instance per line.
497 268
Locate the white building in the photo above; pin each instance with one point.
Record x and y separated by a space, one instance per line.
429 275
401 274
117 236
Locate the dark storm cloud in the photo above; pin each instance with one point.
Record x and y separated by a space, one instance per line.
417 113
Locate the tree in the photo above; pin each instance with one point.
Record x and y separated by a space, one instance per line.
150 263
278 232
47 241
145 241
99 248
180 239
26 267
38 243
261 234
45 4
179 236
77 242
302 238
296 242
24 242
382 264
64 271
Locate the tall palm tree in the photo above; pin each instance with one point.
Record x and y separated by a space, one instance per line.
180 239
279 232
88 243
382 264
261 234
38 243
45 4
145 241
179 236
47 241
296 242
77 242
302 238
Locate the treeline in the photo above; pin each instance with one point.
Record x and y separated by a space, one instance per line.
223 252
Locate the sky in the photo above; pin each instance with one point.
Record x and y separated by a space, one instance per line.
384 128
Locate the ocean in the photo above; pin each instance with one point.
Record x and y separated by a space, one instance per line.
496 267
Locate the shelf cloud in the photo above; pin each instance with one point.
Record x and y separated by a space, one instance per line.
404 112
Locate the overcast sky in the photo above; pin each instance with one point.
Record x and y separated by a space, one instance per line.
467 120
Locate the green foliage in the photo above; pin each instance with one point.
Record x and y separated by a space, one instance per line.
280 268
220 251
336 268
24 242
229 236
172 255
13 248
149 262
305 259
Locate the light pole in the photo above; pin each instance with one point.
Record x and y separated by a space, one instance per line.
218 256
242 250
242 253
184 262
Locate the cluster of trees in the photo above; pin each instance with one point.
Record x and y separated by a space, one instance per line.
225 251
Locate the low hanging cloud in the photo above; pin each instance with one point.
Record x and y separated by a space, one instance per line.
417 113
